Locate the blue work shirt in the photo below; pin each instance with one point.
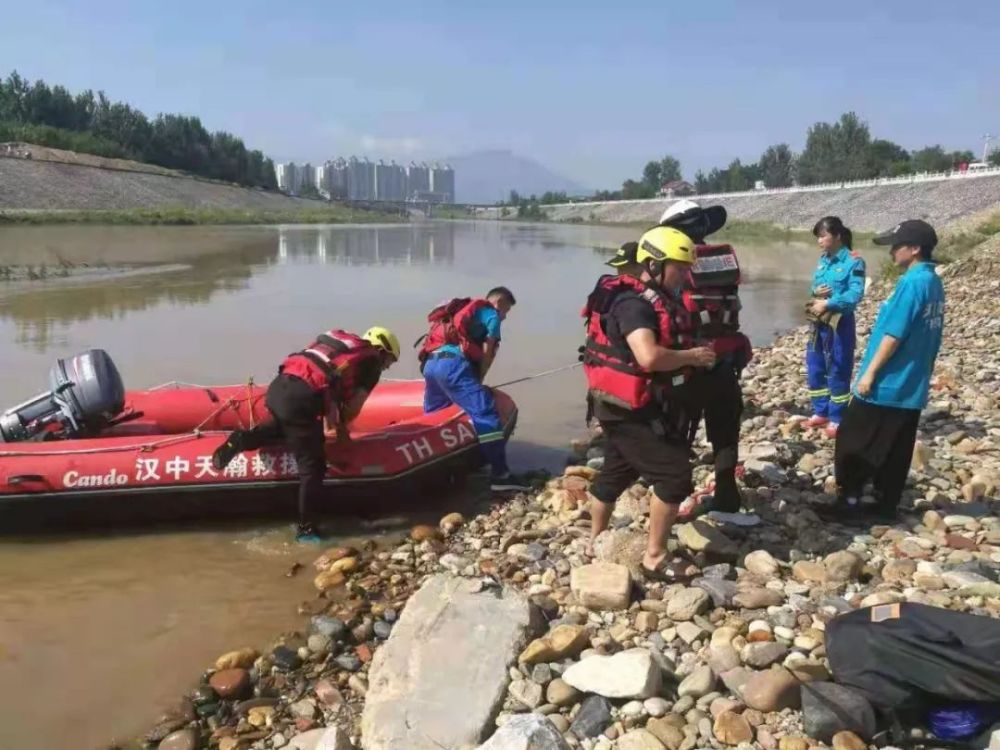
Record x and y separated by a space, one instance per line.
913 314
844 273
488 320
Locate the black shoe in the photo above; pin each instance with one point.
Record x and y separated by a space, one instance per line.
226 452
509 482
726 497
881 513
846 510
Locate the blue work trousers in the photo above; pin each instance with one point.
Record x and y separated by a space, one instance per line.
452 380
829 363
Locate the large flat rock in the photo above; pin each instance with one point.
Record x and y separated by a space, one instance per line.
440 679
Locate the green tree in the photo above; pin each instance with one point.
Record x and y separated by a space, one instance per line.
670 170
930 159
837 152
514 199
889 159
777 166
632 190
994 157
651 176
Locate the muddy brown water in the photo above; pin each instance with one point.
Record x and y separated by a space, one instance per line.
98 631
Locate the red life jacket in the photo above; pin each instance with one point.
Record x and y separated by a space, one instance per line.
330 363
711 297
612 373
454 322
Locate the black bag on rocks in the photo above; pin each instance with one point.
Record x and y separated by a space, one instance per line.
905 657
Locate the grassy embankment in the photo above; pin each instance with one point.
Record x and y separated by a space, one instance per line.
177 216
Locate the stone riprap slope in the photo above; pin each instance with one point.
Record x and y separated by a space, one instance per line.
32 184
866 209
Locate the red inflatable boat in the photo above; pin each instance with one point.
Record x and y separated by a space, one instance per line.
160 447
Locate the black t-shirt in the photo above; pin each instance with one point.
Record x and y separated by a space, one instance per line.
369 372
629 312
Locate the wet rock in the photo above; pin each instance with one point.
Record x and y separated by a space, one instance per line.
732 729
773 690
240 659
687 603
828 708
183 739
424 533
382 629
230 683
593 717
439 677
328 579
303 709
559 643
451 523
629 674
601 585
328 694
331 627
286 658
348 662
528 732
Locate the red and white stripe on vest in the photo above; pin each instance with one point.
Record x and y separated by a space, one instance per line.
612 373
330 363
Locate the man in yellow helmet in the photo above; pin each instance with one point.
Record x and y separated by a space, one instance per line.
637 361
318 392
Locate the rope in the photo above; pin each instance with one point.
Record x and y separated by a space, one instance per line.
543 374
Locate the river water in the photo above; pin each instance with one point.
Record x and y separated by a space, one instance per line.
98 631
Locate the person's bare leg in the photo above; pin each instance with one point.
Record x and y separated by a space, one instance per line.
600 517
661 520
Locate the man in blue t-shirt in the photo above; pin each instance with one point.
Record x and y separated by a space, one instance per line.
879 427
451 378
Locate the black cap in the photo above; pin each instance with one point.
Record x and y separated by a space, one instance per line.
624 256
909 232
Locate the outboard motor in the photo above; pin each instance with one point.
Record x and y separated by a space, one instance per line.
86 393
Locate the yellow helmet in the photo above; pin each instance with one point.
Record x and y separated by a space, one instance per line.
665 243
384 339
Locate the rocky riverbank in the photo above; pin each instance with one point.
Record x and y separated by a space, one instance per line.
500 631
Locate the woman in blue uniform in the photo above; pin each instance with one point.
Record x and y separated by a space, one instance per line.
837 287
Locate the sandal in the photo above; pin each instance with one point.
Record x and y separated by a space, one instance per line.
669 571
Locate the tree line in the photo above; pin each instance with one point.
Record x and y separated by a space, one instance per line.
834 152
91 123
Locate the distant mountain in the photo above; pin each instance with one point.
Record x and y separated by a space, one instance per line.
488 176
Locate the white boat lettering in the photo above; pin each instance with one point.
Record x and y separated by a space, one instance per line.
112 479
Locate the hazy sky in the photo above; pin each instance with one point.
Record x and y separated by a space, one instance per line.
592 89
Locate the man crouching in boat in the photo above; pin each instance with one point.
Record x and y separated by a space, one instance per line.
638 362
457 352
319 391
